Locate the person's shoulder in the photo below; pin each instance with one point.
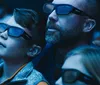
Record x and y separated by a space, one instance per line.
37 75
38 78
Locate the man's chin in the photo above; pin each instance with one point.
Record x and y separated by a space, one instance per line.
53 36
52 39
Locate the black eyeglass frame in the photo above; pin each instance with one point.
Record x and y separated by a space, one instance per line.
24 34
74 9
81 77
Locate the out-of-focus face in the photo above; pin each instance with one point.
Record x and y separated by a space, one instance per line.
13 47
73 62
62 27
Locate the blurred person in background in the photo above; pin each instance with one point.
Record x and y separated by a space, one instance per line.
81 67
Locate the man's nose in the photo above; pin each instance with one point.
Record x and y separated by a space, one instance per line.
4 35
53 16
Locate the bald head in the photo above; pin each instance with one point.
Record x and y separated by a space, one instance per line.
92 7
88 6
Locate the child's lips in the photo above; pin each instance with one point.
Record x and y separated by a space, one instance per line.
2 44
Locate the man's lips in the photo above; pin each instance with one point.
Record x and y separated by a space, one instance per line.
2 44
51 29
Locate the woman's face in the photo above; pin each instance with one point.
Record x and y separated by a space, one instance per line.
72 68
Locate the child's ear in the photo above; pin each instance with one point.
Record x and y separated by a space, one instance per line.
34 50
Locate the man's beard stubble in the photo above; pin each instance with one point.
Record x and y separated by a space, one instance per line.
60 40
57 37
52 37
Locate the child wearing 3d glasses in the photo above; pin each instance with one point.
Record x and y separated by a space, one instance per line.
19 43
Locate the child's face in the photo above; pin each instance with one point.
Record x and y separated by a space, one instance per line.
13 47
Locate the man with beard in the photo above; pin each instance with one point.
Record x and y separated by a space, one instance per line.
70 24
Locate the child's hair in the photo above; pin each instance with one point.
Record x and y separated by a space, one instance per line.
28 19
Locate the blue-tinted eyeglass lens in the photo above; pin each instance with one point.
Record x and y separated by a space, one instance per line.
64 9
15 32
3 27
48 8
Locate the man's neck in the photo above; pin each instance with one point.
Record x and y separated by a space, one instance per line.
70 45
62 50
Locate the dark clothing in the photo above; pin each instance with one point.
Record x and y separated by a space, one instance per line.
47 63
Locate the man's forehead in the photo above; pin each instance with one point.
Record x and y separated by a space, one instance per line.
76 3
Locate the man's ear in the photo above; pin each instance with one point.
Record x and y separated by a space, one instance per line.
89 25
34 50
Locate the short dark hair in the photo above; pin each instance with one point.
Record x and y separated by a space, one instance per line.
29 19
